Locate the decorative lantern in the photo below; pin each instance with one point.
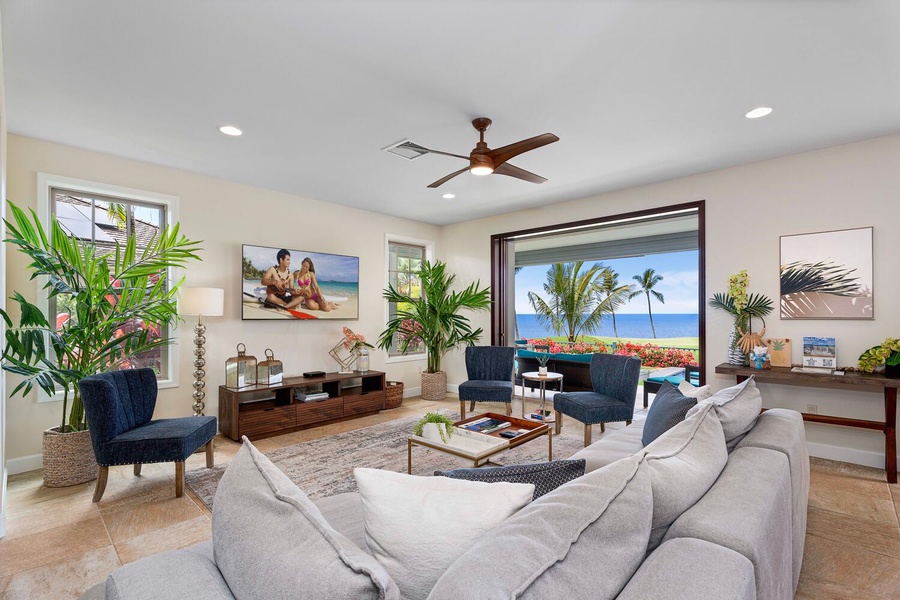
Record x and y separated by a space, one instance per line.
240 370
269 371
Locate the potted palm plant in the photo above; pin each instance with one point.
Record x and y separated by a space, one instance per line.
120 305
434 322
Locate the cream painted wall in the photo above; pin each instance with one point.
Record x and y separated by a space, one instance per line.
747 209
224 215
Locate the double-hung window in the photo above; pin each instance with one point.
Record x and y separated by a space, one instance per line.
404 261
104 216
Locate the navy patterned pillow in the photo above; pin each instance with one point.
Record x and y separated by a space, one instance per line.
546 476
668 410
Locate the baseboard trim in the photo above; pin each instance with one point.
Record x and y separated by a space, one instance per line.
409 392
850 455
23 464
453 388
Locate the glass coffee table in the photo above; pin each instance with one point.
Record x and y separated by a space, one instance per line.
478 447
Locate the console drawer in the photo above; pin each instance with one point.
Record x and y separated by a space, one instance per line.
363 403
314 412
267 419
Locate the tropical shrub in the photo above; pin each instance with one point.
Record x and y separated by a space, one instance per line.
656 357
570 347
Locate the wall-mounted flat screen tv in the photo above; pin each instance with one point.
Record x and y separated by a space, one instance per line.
284 283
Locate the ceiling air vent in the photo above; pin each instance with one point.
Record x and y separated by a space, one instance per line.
406 149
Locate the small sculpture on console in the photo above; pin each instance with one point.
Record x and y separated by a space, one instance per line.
760 357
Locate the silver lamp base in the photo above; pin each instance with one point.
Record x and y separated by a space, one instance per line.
199 363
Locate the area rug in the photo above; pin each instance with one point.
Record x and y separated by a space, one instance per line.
324 467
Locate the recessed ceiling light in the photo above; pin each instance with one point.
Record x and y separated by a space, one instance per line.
448 196
230 130
756 113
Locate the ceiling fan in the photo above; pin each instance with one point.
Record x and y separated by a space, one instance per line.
484 161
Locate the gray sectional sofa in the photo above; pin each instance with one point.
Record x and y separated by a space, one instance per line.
713 508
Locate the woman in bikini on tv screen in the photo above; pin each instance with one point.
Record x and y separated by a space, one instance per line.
306 285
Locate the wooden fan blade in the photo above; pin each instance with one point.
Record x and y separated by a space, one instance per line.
444 180
508 169
500 155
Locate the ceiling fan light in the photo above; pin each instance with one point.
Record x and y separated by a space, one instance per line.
481 170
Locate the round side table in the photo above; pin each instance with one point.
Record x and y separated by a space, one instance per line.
542 380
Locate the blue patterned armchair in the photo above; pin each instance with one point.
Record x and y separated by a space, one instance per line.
119 406
490 372
615 381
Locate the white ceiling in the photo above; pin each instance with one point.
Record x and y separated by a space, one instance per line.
637 91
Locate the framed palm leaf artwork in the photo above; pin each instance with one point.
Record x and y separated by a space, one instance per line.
827 275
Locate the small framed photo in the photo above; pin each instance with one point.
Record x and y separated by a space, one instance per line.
819 352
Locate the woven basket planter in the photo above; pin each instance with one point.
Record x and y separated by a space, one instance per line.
393 394
68 458
434 385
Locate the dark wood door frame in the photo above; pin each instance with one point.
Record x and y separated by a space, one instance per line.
500 257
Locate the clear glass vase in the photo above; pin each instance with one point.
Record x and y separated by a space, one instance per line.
362 360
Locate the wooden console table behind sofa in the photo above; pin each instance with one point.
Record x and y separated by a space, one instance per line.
861 381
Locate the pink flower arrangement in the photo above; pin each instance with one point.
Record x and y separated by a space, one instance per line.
355 341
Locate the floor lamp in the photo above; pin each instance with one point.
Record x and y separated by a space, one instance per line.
202 302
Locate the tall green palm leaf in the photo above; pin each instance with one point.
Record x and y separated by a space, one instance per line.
434 318
611 290
571 307
112 294
646 282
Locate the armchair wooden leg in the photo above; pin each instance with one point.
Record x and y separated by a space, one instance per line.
462 410
137 469
509 408
210 454
602 428
587 435
102 476
627 423
558 425
179 479
472 406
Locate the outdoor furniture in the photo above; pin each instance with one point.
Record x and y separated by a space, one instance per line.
119 406
490 372
673 375
615 380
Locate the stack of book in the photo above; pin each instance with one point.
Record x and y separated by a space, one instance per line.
316 397
485 425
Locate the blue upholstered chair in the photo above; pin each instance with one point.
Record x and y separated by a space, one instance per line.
119 406
615 380
490 372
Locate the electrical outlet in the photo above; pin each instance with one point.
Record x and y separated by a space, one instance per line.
812 409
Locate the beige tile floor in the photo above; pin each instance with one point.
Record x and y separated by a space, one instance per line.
59 543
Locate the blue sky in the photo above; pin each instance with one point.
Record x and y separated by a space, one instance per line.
678 287
329 267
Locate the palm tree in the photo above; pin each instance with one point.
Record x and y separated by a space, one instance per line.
573 308
610 290
647 281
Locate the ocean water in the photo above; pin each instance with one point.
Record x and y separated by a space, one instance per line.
629 326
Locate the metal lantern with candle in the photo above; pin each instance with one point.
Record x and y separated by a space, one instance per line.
240 370
269 371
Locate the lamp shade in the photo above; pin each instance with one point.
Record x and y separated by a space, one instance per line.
208 302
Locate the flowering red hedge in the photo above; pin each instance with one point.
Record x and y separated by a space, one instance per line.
654 356
570 347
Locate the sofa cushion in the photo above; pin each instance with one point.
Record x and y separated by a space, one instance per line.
546 476
175 574
683 464
688 569
344 513
749 511
270 541
691 391
668 410
615 445
737 407
417 526
584 539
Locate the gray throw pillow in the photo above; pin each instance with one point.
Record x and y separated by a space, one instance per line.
271 542
584 539
737 408
668 410
546 476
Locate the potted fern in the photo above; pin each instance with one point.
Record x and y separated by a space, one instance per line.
434 321
119 306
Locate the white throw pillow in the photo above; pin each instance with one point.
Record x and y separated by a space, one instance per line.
700 393
416 527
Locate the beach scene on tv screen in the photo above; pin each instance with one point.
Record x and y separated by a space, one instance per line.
284 283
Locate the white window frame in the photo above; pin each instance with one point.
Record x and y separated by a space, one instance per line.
429 256
46 183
